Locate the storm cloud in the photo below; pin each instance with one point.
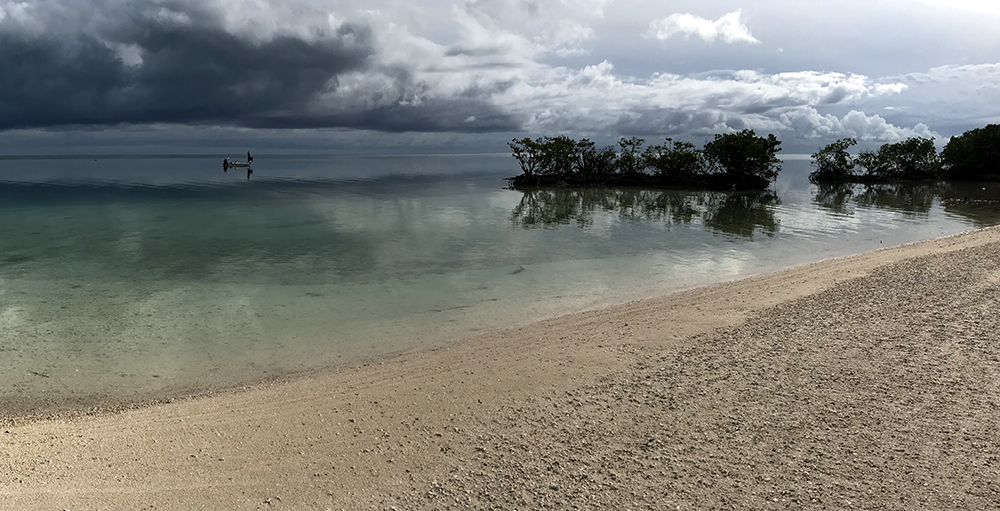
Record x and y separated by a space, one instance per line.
176 66
176 63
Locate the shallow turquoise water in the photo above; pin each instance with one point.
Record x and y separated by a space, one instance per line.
126 278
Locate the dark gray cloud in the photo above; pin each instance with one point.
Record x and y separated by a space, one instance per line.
454 114
176 63
189 73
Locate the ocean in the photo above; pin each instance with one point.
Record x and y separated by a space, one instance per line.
130 278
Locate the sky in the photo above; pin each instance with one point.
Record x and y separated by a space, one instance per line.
469 75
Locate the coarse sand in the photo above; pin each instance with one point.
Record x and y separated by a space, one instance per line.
869 382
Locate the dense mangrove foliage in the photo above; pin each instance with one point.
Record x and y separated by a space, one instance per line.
739 160
973 155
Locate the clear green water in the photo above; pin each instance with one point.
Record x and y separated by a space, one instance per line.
127 279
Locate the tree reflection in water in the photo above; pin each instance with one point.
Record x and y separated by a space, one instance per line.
975 201
744 214
740 214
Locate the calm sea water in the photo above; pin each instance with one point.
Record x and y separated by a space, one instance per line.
130 278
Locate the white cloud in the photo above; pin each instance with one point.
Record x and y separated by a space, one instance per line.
967 78
596 100
171 17
553 28
955 95
729 28
890 88
566 38
590 8
480 35
129 54
808 122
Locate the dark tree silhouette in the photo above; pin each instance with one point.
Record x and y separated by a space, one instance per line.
744 159
833 163
974 154
738 160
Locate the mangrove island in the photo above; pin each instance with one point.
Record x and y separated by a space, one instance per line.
731 161
973 155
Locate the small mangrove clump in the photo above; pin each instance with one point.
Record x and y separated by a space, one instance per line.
739 160
973 155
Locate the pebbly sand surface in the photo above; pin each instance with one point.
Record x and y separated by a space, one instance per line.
870 382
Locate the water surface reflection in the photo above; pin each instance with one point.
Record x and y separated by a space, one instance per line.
122 281
975 201
740 214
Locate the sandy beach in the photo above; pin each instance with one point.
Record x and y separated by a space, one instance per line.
870 382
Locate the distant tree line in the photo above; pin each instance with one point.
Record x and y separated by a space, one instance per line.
973 155
739 160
